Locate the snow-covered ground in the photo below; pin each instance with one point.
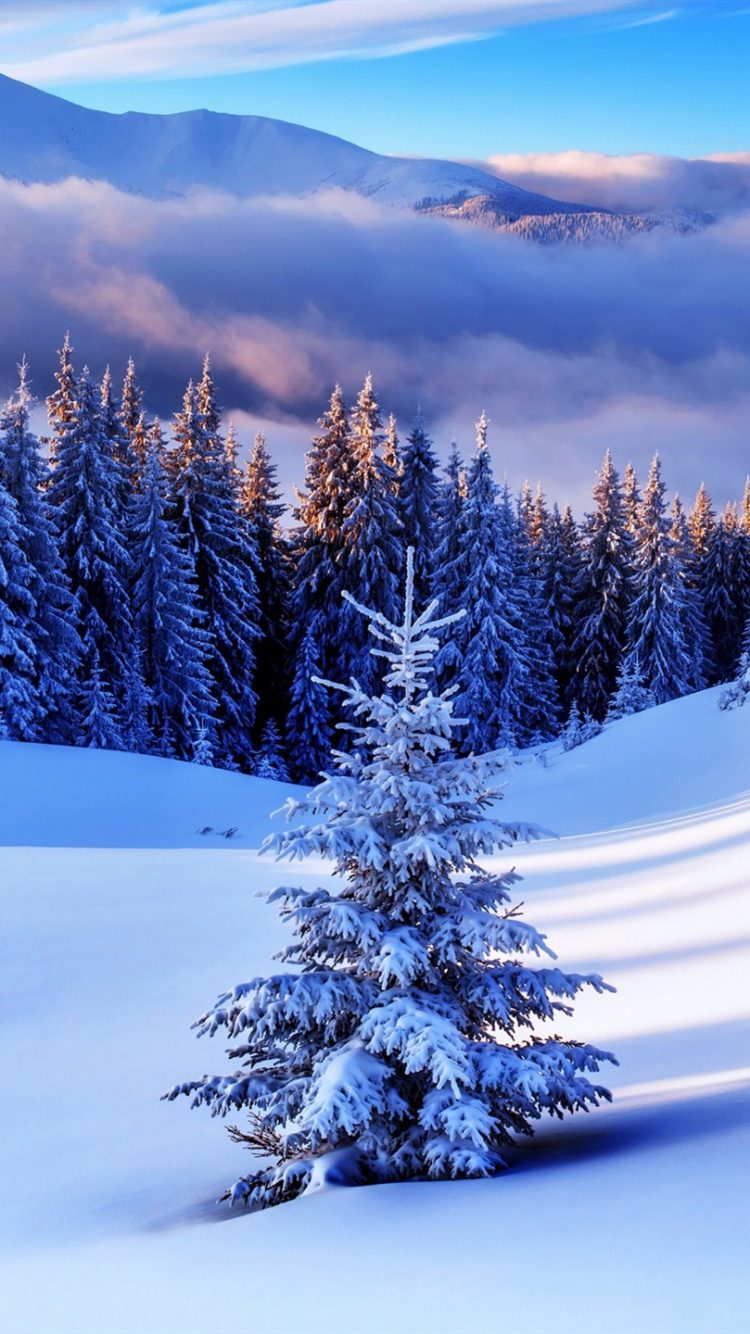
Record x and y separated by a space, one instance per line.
121 922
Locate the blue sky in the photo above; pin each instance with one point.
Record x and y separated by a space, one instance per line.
434 77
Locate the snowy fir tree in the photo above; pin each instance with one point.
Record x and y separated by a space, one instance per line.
83 493
724 590
560 565
262 509
406 1041
631 695
308 721
224 557
451 572
270 761
538 715
25 476
173 646
737 693
603 596
418 493
20 707
491 672
579 728
371 554
658 643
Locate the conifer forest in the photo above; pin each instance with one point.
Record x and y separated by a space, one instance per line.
158 597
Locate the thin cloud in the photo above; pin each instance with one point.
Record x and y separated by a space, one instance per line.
233 37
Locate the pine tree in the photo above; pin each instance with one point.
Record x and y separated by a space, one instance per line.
631 499
83 495
173 646
270 762
61 404
24 475
539 712
308 721
631 695
723 591
224 558
560 567
604 596
491 671
371 539
261 508
418 496
400 1048
451 574
657 641
19 707
701 523
737 693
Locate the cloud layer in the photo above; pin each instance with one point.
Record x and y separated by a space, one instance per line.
568 349
52 42
718 184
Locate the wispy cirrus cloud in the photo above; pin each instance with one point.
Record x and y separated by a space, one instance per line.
53 42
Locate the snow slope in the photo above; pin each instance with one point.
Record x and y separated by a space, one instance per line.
47 139
634 1219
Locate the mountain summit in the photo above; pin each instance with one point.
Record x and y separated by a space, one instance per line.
46 139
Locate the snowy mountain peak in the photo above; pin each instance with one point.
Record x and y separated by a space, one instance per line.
46 139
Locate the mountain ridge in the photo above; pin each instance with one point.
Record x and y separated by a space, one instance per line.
46 139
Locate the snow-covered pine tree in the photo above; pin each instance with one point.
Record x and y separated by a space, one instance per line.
539 712
701 523
20 709
491 671
24 474
270 761
318 579
83 494
371 554
408 1042
657 642
131 411
631 499
224 558
61 404
418 495
738 691
603 596
631 695
578 728
723 589
392 452
450 577
308 722
560 566
262 508
173 646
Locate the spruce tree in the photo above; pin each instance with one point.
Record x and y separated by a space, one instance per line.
224 557
560 567
418 507
451 572
25 476
603 594
20 708
409 1040
657 641
83 493
723 592
172 644
308 721
539 712
262 509
491 671
371 539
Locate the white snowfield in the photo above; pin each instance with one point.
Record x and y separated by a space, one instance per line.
121 924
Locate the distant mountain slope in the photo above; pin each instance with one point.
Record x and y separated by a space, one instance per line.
47 139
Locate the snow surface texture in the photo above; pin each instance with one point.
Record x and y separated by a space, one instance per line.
47 139
631 1219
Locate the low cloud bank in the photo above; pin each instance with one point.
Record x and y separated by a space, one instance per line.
649 340
719 184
